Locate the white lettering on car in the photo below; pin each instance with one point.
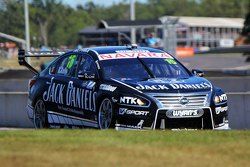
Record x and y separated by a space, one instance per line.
126 111
74 97
125 55
219 110
173 86
223 97
128 100
138 126
107 87
184 113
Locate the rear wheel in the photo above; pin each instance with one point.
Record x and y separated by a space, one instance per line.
40 118
105 114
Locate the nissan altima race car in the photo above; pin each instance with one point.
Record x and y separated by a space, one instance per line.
122 87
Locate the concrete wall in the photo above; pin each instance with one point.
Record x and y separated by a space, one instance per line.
13 113
12 110
228 84
14 85
239 110
231 84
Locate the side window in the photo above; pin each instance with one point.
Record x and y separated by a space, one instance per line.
54 66
67 66
87 64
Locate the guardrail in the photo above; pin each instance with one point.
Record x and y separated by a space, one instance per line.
13 113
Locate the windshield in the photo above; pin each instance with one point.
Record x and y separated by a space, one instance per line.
135 69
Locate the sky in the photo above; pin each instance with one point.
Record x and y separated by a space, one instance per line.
74 3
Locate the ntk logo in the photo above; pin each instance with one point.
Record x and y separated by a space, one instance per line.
128 100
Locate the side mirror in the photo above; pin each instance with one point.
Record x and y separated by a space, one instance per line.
87 75
198 73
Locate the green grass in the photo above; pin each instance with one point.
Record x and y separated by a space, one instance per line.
124 148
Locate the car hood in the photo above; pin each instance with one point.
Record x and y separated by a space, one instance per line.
164 85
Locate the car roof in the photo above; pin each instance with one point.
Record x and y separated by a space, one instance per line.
114 49
125 52
119 52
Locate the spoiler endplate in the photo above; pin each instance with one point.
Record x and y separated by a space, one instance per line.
22 55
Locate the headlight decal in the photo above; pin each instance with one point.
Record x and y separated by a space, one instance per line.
218 99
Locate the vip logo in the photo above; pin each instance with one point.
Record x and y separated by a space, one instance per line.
126 111
122 111
219 110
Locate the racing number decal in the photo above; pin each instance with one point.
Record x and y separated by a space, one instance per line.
71 61
170 61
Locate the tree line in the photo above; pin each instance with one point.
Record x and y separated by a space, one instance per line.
53 23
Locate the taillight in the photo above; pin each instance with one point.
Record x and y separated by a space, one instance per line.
31 83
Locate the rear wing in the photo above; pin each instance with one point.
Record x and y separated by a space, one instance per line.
22 55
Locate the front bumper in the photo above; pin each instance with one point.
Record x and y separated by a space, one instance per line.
206 121
160 120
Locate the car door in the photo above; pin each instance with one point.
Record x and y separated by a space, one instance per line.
54 87
86 87
65 76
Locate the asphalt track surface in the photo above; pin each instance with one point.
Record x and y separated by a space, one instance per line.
216 61
205 62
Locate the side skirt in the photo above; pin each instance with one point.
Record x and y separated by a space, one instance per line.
58 118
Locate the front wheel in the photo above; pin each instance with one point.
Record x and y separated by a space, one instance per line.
105 114
40 118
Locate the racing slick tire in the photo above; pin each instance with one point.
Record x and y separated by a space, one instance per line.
40 117
105 114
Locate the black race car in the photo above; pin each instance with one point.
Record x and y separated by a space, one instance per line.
122 87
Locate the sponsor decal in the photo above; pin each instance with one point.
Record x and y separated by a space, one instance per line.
184 113
152 87
72 96
223 97
107 87
219 110
90 85
62 70
203 85
131 101
175 86
126 111
89 76
133 54
220 99
138 126
131 51
68 109
114 100
128 100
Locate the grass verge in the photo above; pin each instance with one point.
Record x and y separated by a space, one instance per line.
124 148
